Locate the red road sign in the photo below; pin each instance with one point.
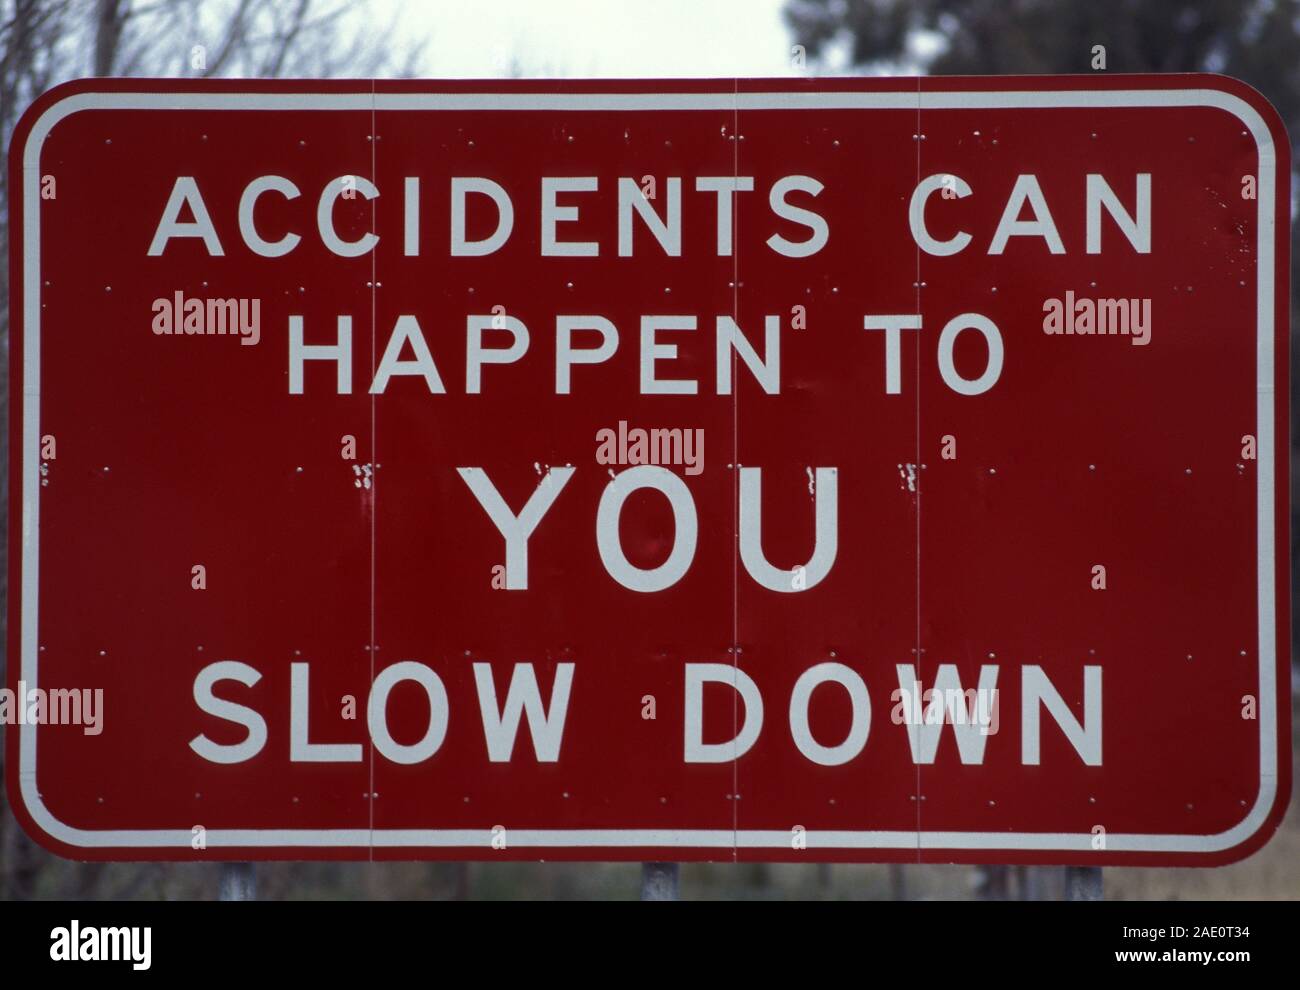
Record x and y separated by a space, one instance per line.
837 469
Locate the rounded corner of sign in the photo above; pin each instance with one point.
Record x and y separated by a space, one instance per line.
1265 825
36 820
47 110
1253 109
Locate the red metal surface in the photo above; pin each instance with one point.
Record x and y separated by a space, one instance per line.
177 451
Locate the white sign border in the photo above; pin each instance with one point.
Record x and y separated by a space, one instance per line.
1075 843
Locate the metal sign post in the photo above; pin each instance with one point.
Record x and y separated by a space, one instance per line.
660 882
238 882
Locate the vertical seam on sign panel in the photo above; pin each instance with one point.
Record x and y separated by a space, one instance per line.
917 469
374 453
735 475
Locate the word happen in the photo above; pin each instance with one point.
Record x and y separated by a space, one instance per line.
653 350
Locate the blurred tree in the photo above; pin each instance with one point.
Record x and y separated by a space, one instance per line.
1254 40
44 42
1257 41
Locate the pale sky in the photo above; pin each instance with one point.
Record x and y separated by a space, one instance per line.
480 38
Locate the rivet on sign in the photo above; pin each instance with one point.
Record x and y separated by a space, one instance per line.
568 285
992 804
1094 135
835 288
570 139
1092 467
108 288
1189 807
108 140
1092 800
993 470
995 288
103 653
295 799
301 289
992 656
467 799
666 289
835 144
1092 285
200 649
298 469
1243 653
379 285
664 800
1189 656
106 467
566 794
1189 470
832 801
